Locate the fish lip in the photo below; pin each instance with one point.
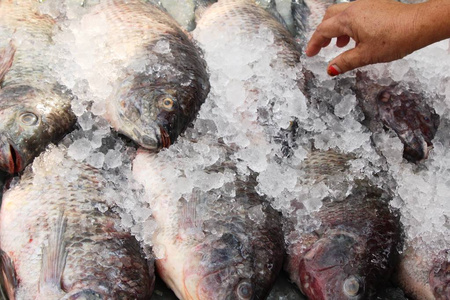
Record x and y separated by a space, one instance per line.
16 162
12 159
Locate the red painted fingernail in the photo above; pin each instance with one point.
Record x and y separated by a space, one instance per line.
333 70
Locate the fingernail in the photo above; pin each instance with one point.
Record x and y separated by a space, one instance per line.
333 70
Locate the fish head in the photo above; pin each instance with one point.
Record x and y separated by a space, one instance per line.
30 120
411 118
332 268
154 106
232 268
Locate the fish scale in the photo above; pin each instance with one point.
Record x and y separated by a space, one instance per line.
20 20
101 258
243 17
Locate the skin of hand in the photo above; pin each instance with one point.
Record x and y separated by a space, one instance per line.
383 31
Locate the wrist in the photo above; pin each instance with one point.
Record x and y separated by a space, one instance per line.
432 22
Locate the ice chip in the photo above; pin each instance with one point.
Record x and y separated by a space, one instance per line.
113 159
80 149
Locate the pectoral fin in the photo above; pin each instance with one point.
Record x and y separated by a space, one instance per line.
53 260
6 59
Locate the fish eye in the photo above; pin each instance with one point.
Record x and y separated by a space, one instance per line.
245 290
28 119
167 103
352 286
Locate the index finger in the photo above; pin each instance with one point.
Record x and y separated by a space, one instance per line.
328 29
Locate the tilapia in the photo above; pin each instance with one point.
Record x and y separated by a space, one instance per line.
401 109
354 249
61 239
208 243
423 274
159 78
34 107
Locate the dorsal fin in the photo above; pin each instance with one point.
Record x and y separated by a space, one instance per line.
54 259
8 278
6 59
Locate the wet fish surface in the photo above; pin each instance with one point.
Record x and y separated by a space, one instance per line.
34 107
401 109
60 239
354 249
207 244
159 78
423 274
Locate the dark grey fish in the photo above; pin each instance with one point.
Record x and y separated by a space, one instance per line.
400 109
60 239
354 249
163 79
34 108
208 244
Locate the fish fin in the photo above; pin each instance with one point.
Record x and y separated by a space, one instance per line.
271 8
54 258
6 59
189 217
300 13
201 6
8 278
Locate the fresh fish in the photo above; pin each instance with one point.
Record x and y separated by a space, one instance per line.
61 240
354 249
208 245
161 78
34 108
423 274
400 109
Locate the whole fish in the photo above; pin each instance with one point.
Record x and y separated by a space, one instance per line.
208 245
400 109
161 78
354 249
424 274
61 240
34 108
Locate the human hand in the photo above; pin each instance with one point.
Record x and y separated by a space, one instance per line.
384 30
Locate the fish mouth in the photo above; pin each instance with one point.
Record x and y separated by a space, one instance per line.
10 159
416 148
154 141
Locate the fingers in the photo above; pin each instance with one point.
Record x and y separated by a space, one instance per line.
328 29
347 61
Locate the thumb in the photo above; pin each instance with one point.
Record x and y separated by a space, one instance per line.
347 61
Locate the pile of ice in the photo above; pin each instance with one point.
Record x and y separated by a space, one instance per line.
252 108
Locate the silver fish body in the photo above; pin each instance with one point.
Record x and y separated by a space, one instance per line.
207 245
161 77
34 107
59 242
245 17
